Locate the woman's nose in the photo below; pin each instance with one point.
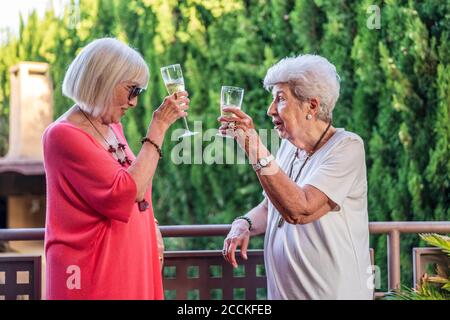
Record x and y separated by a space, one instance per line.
132 102
272 109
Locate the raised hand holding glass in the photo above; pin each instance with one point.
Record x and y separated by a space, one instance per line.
230 97
173 80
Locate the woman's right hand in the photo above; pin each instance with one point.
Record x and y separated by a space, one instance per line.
238 236
172 108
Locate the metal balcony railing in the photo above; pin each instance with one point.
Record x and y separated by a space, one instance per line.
204 274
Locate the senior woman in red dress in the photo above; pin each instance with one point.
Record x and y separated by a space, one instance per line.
314 212
102 240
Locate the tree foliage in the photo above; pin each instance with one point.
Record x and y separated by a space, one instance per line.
395 90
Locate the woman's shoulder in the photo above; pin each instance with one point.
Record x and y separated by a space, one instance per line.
60 127
63 131
345 142
343 137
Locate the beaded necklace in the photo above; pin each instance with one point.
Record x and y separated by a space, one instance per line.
111 149
142 205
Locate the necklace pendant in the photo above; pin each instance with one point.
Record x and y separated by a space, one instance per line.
111 149
143 205
280 222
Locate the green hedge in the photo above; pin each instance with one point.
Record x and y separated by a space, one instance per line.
395 91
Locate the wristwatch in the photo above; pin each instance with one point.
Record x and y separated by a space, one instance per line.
262 163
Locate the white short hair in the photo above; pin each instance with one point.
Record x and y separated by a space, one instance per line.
308 76
95 72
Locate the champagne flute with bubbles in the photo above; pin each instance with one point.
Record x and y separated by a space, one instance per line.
230 97
174 82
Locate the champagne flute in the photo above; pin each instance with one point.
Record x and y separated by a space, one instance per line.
174 82
230 97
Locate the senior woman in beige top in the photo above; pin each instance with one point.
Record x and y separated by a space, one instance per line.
314 212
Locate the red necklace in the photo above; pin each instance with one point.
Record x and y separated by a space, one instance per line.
142 205
111 148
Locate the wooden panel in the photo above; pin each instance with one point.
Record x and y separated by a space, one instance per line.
206 275
20 277
423 257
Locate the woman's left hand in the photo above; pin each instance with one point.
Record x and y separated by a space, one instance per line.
242 128
160 243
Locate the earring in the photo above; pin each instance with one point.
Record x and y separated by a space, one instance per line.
309 116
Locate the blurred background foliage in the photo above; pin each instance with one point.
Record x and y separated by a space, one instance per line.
395 92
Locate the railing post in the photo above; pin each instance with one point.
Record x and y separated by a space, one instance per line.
394 259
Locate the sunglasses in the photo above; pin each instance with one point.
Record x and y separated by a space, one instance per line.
134 92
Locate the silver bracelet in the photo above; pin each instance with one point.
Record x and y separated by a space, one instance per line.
250 224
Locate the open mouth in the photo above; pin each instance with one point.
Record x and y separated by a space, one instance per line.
278 124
